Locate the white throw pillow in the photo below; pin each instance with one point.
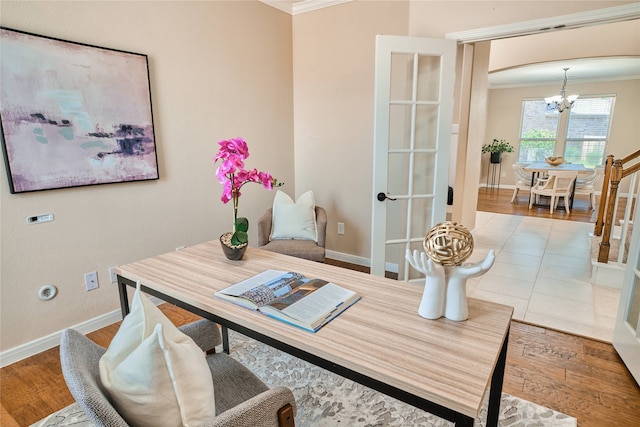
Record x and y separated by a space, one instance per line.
155 374
294 220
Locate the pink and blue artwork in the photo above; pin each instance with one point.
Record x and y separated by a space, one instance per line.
73 114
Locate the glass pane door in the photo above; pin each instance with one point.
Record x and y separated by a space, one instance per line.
413 129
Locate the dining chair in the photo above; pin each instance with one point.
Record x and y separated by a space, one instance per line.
556 185
521 178
586 184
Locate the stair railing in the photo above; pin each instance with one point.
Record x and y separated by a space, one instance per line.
614 172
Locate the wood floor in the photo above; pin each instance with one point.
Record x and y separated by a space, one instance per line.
499 201
577 376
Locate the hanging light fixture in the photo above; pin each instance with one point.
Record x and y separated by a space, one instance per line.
561 102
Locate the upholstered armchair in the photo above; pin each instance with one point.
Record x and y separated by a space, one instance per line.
308 249
241 399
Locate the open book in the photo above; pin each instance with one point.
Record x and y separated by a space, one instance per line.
291 297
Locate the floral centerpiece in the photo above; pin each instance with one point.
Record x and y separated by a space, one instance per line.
232 175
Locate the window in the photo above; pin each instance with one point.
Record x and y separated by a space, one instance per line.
588 130
580 136
538 132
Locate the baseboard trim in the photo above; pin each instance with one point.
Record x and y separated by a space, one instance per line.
351 259
511 187
45 343
365 262
609 274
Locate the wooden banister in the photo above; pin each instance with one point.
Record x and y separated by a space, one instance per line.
630 157
614 172
603 195
631 169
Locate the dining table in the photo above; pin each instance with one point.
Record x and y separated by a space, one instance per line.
543 167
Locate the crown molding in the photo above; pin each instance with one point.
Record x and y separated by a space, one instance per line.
298 7
537 26
311 5
285 6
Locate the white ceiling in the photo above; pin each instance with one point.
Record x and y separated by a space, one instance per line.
586 70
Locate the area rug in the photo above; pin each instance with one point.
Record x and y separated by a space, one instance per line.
325 399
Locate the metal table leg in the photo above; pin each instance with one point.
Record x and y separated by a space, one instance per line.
495 392
225 338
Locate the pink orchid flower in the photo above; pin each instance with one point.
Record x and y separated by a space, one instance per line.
232 175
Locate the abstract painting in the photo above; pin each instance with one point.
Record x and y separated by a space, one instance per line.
73 114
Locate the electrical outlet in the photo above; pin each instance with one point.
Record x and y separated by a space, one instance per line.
341 228
113 277
91 280
503 174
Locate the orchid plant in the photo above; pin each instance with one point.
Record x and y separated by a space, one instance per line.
232 174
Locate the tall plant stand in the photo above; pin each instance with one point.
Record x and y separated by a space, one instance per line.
494 170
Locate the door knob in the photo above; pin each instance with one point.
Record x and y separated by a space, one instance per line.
382 197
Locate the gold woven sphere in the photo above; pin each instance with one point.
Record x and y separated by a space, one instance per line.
448 243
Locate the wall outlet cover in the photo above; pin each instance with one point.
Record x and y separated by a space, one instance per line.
91 280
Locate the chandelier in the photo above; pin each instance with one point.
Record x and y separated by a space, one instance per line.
561 102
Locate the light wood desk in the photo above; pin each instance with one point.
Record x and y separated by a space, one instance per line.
441 366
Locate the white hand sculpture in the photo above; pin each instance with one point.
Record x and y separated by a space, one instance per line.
445 288
432 305
456 300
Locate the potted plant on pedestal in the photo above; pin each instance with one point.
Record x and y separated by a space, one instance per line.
232 174
496 148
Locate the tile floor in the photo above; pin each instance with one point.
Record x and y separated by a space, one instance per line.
542 269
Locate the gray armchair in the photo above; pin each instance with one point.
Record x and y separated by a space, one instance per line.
307 249
241 398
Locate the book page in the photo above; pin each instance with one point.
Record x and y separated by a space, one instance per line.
265 293
252 282
290 297
320 300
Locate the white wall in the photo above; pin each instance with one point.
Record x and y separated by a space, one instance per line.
333 92
615 39
334 51
431 18
218 70
505 105
505 108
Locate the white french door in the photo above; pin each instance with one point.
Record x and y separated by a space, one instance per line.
414 81
626 335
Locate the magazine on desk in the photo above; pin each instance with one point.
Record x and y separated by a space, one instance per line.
291 297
